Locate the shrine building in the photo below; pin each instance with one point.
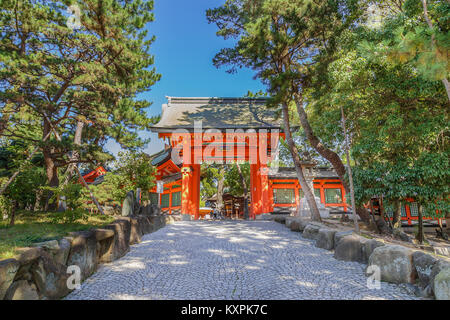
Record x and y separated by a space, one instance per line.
230 129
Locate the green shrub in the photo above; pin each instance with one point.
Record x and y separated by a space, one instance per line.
72 192
5 207
69 216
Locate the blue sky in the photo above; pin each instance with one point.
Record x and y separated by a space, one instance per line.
184 47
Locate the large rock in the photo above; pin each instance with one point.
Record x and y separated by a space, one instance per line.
440 265
22 290
26 258
311 231
157 222
105 244
147 209
8 270
288 221
122 229
340 234
295 225
369 246
350 248
442 250
50 277
299 224
423 263
382 225
442 285
280 219
156 210
51 245
325 238
58 250
401 235
395 263
144 224
83 252
128 205
63 252
135 232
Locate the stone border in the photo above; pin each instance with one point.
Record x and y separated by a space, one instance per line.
41 272
423 274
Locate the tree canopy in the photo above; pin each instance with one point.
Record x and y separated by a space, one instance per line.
70 76
56 76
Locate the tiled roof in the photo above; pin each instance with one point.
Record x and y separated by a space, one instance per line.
160 157
218 113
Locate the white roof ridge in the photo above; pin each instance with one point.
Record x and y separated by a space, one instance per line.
203 99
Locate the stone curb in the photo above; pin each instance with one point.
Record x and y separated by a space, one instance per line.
429 275
41 271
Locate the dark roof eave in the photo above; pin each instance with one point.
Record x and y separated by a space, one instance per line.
191 129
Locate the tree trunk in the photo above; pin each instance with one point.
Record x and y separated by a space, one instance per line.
325 152
244 185
58 137
397 219
53 181
50 167
383 227
420 233
382 216
13 213
220 185
328 154
373 216
4 122
447 221
75 156
350 175
315 214
37 203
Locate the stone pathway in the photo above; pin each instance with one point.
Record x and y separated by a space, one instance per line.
230 260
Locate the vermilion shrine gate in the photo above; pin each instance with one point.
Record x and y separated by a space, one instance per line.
214 130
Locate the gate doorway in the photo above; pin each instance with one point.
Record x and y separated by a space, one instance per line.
231 129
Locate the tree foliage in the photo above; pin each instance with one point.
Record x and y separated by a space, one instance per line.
397 114
130 171
53 75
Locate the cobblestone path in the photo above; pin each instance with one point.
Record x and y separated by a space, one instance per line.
230 260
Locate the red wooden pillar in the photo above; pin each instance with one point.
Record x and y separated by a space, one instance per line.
322 193
408 214
297 195
170 200
186 177
190 190
195 185
265 198
271 204
255 185
344 199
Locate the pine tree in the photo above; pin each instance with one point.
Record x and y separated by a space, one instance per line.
281 40
86 69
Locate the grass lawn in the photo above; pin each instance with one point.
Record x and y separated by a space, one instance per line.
33 227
